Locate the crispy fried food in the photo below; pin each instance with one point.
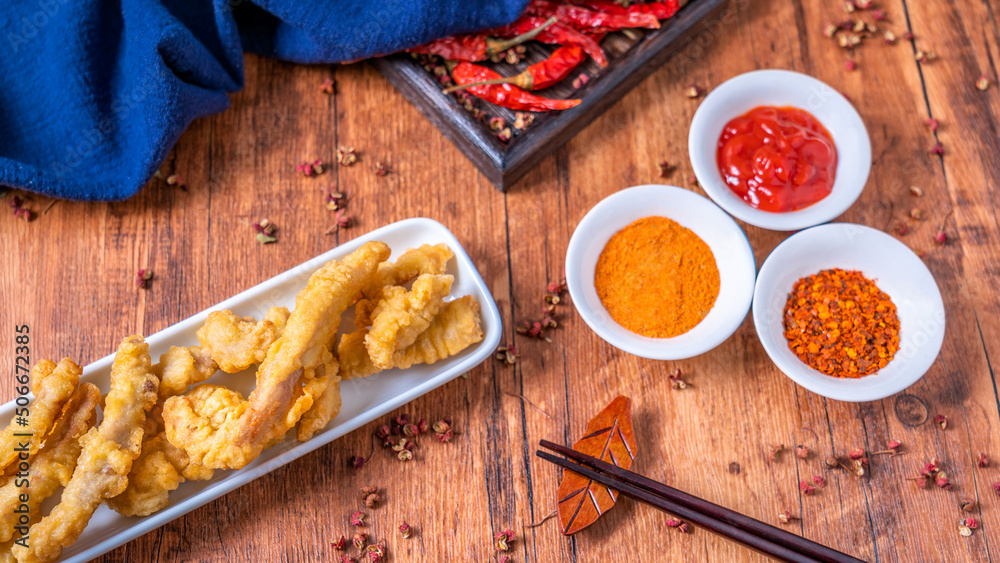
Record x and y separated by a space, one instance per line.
160 467
236 343
456 327
53 466
327 402
278 316
179 368
229 432
108 452
52 386
402 315
416 261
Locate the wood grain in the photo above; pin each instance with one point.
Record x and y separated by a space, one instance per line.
69 275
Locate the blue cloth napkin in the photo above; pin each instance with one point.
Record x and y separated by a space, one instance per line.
94 93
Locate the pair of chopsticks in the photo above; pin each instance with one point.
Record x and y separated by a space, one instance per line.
754 534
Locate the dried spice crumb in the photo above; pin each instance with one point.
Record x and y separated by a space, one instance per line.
937 149
505 135
346 156
773 451
672 522
996 487
357 462
850 65
326 86
684 528
381 169
983 460
265 231
841 324
967 505
983 83
901 229
580 81
941 238
915 191
801 452
889 37
831 462
734 468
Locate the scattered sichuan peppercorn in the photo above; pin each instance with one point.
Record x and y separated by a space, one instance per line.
357 462
405 530
773 451
801 452
381 169
941 421
359 540
693 91
507 354
785 517
819 481
841 324
358 519
941 237
850 65
665 168
831 462
806 489
142 278
967 505
307 169
983 83
326 86
937 149
20 211
983 460
941 480
504 540
346 156
677 380
915 191
339 544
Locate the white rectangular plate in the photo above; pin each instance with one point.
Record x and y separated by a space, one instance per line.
364 400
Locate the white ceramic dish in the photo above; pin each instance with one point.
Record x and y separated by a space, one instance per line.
363 400
893 267
745 92
729 244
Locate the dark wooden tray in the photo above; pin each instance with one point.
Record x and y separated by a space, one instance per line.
632 56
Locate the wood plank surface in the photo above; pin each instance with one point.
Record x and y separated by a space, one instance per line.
69 274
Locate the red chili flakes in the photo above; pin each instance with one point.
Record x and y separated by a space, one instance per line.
840 323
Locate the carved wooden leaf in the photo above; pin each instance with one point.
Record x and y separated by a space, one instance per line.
609 437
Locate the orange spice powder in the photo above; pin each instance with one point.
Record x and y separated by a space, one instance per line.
657 278
840 323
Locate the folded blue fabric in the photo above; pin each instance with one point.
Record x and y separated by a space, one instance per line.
94 93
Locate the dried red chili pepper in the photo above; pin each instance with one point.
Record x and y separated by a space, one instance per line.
583 19
540 75
505 95
477 46
660 10
555 34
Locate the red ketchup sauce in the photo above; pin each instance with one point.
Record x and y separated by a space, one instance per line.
777 159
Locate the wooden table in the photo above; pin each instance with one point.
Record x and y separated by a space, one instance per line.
70 274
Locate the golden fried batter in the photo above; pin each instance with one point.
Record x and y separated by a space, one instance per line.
456 327
108 452
326 404
402 315
53 466
52 386
230 432
161 468
236 343
416 261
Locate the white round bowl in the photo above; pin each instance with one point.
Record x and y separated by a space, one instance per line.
728 243
745 92
893 267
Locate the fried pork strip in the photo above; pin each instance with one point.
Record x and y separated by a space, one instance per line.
456 327
53 466
402 315
427 259
224 431
236 343
106 458
52 386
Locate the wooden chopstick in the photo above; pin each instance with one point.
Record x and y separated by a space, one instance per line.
752 533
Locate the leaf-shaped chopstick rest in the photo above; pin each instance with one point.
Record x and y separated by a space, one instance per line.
609 437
